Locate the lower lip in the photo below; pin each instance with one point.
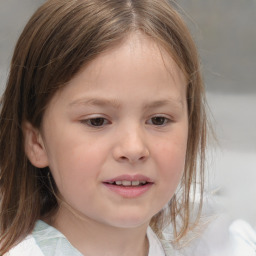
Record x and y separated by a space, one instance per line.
129 192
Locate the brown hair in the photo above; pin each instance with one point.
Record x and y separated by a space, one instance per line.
59 39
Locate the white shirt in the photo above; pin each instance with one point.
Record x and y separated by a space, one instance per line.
243 239
47 241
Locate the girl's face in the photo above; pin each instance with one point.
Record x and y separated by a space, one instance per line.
115 137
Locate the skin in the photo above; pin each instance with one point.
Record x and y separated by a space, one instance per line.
125 88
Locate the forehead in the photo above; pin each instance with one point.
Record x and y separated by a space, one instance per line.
137 51
137 61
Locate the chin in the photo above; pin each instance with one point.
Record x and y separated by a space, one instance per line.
130 221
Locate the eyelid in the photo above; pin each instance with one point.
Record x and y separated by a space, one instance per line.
162 115
168 119
87 119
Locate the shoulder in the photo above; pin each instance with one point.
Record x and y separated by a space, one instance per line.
243 238
27 247
160 247
225 239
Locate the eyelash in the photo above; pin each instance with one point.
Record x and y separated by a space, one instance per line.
164 120
89 121
103 121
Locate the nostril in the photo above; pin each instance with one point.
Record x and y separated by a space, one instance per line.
133 159
142 158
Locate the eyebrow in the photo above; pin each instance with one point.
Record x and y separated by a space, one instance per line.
159 103
103 102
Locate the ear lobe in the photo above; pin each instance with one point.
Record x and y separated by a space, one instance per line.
34 146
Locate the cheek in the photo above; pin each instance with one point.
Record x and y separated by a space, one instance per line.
76 163
172 150
171 162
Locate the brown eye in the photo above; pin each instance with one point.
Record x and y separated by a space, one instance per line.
95 122
159 120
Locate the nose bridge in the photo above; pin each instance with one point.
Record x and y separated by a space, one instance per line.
131 143
134 136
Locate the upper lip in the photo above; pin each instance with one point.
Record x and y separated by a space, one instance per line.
128 177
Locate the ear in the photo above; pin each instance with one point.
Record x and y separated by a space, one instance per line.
34 146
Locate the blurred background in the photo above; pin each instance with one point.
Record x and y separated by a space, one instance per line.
226 37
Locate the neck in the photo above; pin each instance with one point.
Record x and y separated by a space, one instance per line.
93 238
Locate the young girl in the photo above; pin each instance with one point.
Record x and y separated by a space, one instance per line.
103 131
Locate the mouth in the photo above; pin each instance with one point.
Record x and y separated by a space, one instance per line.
129 186
127 183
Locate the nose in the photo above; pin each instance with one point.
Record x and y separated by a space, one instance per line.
131 146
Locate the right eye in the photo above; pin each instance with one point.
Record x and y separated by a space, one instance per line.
96 122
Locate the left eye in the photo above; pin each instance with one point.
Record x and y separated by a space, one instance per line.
96 122
159 120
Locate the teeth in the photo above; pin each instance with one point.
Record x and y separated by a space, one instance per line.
135 183
127 183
